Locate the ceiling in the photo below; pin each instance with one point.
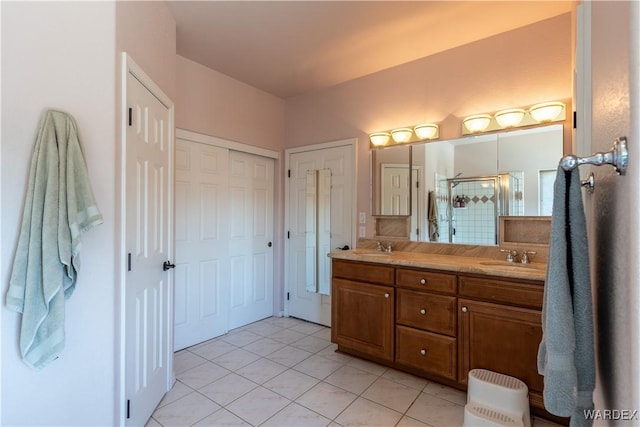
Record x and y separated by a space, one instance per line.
289 48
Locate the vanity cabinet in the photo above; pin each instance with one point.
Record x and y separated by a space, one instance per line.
439 325
500 329
362 309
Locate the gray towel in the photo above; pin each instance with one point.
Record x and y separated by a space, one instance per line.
432 216
59 207
566 354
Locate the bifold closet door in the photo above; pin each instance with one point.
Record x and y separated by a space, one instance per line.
202 242
224 241
251 205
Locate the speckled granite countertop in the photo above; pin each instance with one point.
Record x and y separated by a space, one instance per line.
452 263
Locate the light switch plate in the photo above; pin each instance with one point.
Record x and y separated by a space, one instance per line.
363 218
363 231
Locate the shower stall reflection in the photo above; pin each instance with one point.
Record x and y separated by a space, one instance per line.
468 208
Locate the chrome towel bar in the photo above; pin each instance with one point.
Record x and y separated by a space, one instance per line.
618 156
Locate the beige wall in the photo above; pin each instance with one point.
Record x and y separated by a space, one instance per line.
147 32
519 68
612 209
61 55
214 104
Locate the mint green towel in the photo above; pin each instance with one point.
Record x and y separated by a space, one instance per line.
59 207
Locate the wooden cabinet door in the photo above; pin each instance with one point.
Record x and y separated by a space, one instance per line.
501 339
362 318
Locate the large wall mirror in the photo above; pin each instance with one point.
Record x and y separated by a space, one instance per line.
462 186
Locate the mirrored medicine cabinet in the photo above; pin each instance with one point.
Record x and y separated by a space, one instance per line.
454 191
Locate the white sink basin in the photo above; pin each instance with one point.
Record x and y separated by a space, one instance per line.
518 265
371 253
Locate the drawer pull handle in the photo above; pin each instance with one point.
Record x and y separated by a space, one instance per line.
386 295
423 281
464 309
423 311
423 352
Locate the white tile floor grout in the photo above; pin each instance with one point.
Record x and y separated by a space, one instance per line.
285 372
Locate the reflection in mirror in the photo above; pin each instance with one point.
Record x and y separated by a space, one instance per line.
460 190
391 189
469 182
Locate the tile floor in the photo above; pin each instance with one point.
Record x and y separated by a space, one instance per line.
285 372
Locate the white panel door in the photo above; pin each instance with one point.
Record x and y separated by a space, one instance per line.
303 304
395 189
148 242
396 192
202 243
251 190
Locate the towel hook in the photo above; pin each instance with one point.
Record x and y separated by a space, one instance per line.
589 183
618 156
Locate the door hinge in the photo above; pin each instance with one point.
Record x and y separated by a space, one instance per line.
130 116
417 231
129 261
287 296
575 120
289 173
128 408
288 234
417 184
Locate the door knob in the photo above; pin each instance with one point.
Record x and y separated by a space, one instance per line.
269 244
167 265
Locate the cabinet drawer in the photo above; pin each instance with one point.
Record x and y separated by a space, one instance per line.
425 351
519 293
435 313
426 281
362 272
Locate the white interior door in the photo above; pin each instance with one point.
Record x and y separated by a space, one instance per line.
312 306
395 189
202 243
398 191
251 190
148 244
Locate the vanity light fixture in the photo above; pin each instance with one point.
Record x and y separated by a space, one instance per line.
401 135
379 139
477 123
547 111
422 132
510 118
426 131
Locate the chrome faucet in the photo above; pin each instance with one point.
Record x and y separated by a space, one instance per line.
525 256
381 247
511 255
